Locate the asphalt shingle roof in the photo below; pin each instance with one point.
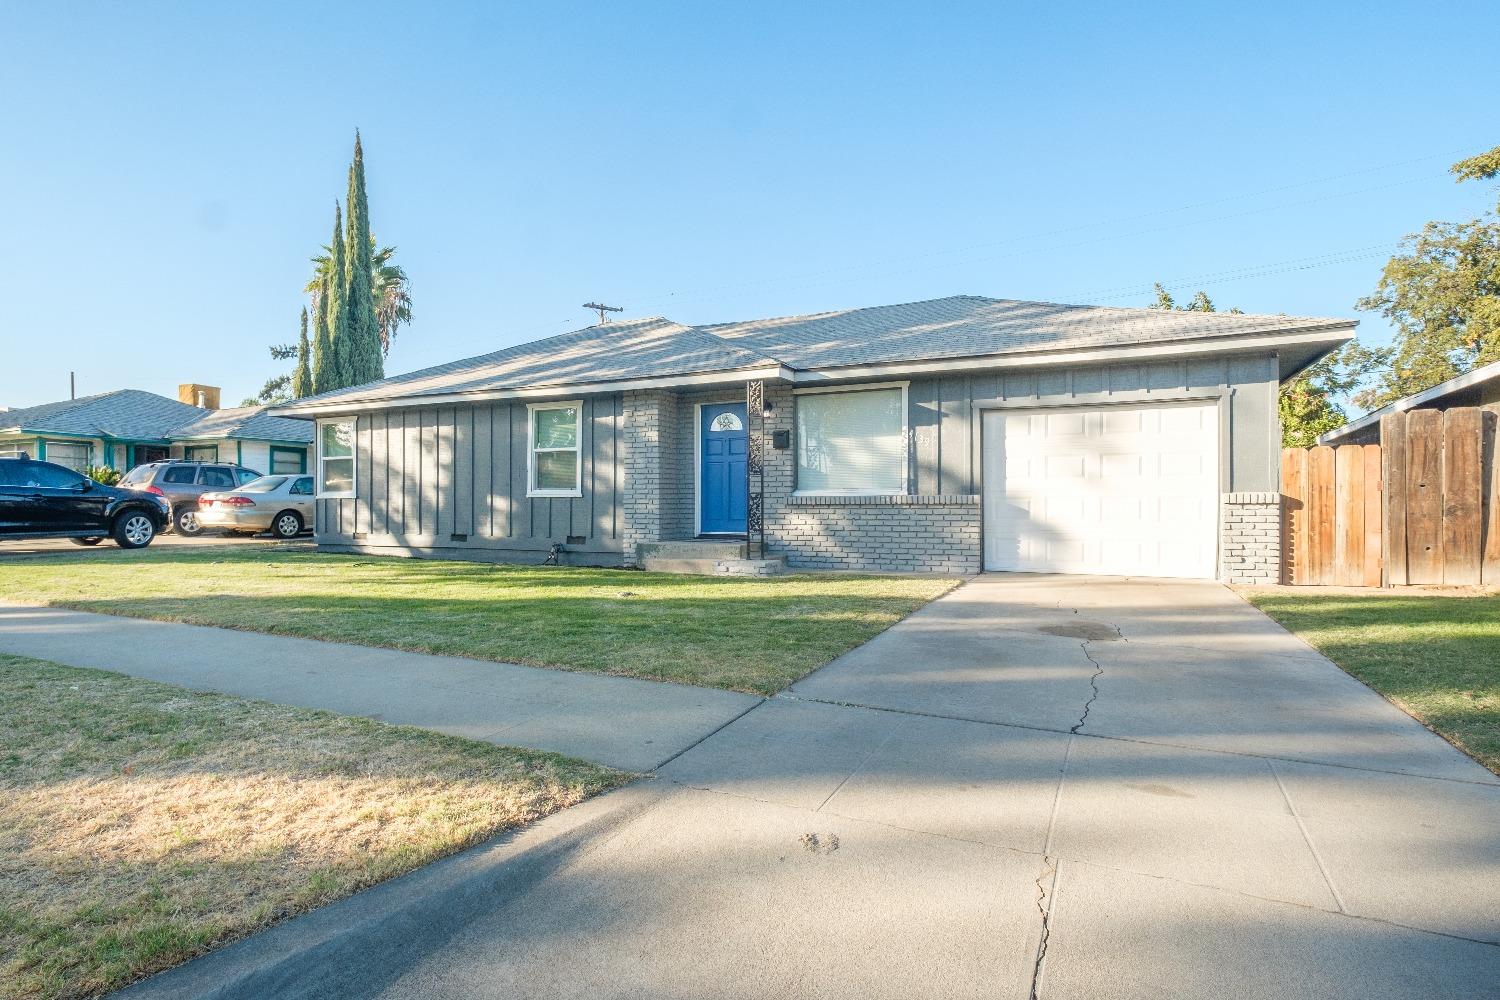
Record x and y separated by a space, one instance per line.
960 326
134 414
971 326
637 348
247 422
126 413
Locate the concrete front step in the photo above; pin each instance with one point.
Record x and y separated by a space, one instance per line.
715 567
694 548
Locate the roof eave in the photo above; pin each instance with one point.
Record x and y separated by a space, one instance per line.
310 408
1332 335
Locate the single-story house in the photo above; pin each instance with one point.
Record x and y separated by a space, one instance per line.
951 435
1480 387
129 427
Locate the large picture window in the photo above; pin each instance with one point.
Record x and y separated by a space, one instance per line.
555 466
73 456
336 458
852 442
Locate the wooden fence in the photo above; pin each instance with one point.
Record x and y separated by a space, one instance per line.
1331 506
1443 521
1422 507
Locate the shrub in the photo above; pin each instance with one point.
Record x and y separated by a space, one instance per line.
102 475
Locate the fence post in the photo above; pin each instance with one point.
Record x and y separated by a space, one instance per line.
1393 490
1489 569
1374 529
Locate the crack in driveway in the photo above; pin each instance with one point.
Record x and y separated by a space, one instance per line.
1044 907
1093 687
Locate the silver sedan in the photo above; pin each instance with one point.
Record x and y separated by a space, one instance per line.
282 505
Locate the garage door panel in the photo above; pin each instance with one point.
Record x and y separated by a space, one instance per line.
1113 490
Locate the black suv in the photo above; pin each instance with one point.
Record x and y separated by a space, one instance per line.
43 500
182 483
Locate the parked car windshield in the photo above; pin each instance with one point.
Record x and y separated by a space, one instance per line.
265 484
139 474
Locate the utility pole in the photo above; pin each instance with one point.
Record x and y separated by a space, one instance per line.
72 385
602 309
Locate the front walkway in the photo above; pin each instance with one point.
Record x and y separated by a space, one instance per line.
1035 786
620 721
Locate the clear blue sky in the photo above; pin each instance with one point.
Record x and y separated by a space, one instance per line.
167 170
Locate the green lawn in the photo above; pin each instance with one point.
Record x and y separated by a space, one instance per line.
142 824
755 635
1438 658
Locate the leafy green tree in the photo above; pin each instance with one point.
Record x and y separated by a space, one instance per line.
1306 402
278 389
358 302
1442 291
302 374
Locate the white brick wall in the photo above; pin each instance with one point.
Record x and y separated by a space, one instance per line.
1250 538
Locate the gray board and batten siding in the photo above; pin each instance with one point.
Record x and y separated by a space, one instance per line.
426 474
452 479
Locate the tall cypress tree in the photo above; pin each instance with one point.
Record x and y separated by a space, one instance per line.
338 308
324 370
302 374
365 361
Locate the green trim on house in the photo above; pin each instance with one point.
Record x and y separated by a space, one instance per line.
187 452
301 454
239 452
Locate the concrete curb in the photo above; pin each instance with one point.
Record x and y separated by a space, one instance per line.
358 944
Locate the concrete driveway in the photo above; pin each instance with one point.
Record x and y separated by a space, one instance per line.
1036 786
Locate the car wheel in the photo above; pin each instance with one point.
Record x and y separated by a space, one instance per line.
134 530
87 541
187 523
288 524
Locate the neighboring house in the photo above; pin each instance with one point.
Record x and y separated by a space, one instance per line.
129 427
952 435
1480 387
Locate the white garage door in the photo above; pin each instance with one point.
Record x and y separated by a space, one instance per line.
1119 490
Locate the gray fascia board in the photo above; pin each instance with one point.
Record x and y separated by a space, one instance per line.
779 373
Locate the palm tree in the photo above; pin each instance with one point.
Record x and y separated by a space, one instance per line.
392 291
388 284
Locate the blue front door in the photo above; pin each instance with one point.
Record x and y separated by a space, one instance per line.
724 451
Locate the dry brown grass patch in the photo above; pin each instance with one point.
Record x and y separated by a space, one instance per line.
142 824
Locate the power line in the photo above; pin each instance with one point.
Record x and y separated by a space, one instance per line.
860 269
1119 292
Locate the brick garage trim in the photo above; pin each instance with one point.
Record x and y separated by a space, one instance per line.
1250 538
908 500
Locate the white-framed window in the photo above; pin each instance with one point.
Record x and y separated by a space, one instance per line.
336 457
852 441
554 459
